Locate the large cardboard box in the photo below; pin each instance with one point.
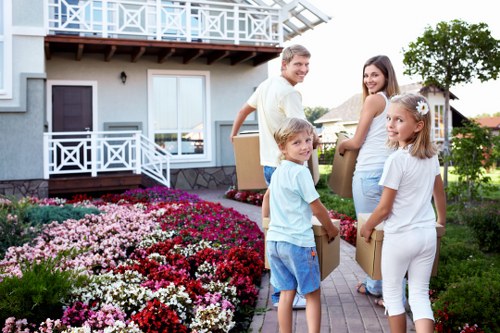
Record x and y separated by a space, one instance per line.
369 255
249 172
328 253
340 181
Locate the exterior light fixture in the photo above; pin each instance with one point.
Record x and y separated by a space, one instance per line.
123 76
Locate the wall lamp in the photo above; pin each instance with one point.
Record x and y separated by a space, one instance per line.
123 76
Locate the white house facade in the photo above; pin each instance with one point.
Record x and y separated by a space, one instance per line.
90 88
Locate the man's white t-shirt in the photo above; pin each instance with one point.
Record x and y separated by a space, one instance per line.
275 99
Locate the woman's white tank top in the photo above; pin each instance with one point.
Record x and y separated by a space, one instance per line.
374 151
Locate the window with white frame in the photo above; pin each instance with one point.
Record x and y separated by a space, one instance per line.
5 50
179 113
438 126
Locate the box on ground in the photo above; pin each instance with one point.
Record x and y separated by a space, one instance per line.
328 253
369 255
340 181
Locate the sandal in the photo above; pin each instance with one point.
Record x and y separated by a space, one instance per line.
380 302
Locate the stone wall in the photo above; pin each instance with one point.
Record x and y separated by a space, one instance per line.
23 188
203 178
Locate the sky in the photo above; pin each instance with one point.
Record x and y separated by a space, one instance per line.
360 29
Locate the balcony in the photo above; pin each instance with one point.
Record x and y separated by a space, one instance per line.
242 31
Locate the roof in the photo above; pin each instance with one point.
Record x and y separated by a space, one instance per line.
490 122
350 110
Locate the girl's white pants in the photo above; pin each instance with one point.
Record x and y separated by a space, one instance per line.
411 251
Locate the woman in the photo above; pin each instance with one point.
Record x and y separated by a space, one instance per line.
379 83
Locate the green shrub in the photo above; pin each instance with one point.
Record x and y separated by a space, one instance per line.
337 203
14 229
40 215
40 292
484 222
473 300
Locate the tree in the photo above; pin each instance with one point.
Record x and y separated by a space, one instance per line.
453 53
314 113
474 150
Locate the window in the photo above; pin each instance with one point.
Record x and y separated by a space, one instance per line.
5 50
438 128
179 113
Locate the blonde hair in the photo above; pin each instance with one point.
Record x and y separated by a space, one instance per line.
289 128
421 144
383 63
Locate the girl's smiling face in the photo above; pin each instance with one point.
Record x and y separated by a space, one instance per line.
401 125
298 148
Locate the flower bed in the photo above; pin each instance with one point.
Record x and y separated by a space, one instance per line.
156 260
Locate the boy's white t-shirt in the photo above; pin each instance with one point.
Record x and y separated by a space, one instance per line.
414 179
275 99
291 191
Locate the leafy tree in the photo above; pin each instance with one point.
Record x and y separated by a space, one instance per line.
453 53
474 150
314 113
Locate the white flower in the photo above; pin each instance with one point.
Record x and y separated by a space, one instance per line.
422 108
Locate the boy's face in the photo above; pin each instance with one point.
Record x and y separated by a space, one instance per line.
298 148
296 70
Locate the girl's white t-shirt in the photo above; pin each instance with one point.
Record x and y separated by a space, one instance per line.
414 179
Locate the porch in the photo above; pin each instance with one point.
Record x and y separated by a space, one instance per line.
102 161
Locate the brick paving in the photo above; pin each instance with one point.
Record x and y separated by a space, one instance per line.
343 310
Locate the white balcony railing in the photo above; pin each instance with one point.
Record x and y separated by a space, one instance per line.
106 151
183 21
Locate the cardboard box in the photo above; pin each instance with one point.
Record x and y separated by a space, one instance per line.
328 253
340 181
249 172
369 255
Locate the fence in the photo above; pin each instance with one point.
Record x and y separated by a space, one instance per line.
326 150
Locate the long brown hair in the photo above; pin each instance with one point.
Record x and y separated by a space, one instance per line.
383 63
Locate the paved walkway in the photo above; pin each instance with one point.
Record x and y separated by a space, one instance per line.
343 309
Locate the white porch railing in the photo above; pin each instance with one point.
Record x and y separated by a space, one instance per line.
106 151
184 21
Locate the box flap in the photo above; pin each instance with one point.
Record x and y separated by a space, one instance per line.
318 227
377 234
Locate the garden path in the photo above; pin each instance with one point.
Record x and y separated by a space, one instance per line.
343 309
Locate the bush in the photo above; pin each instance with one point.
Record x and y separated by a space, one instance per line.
39 294
40 215
484 222
473 298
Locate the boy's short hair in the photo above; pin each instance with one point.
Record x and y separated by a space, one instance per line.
293 50
289 128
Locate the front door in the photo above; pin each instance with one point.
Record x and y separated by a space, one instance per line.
71 108
72 112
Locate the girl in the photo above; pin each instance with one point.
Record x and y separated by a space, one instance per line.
379 83
411 177
290 202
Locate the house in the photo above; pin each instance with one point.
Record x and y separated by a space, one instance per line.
111 94
345 117
493 123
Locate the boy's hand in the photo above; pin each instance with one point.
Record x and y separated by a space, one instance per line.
332 233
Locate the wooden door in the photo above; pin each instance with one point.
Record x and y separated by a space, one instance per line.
72 112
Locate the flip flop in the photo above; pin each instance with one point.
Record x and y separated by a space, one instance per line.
380 302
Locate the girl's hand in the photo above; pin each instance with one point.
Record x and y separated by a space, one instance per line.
366 233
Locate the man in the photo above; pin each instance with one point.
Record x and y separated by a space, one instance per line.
276 99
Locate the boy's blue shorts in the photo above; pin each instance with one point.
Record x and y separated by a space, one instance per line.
293 267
